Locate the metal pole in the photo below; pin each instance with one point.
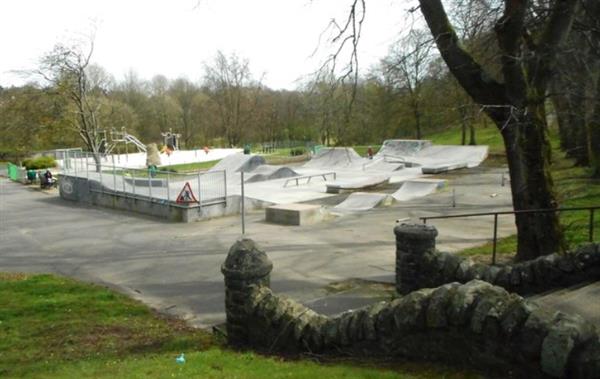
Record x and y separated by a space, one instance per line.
225 185
495 238
87 166
149 186
199 194
133 177
243 207
123 172
502 183
453 198
100 165
591 225
168 190
114 175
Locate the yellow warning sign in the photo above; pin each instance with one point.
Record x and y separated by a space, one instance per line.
186 196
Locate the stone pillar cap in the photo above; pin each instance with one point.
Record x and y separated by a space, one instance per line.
246 260
416 231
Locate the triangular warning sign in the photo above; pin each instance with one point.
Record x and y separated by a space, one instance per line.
186 196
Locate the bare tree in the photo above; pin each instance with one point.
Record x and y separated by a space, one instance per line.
408 66
233 90
66 69
528 47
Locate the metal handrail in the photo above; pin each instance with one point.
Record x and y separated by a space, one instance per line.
309 177
523 211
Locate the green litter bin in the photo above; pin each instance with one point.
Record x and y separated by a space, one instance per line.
31 176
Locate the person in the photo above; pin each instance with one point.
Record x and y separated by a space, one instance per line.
48 181
206 149
370 152
152 169
48 176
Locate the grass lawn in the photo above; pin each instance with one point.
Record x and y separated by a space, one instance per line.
573 186
54 327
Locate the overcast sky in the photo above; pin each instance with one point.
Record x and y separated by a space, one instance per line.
176 37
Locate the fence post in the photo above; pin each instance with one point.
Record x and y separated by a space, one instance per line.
199 192
225 185
149 186
100 166
75 163
453 197
133 181
495 238
114 175
168 189
87 166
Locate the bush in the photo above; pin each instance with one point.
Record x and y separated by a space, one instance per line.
297 151
39 163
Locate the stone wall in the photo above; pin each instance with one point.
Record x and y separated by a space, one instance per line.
476 324
419 265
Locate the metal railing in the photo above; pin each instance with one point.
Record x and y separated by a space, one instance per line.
154 185
309 177
529 211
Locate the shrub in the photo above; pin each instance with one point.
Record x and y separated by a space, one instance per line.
39 162
297 151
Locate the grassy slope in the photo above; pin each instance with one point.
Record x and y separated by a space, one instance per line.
573 186
53 327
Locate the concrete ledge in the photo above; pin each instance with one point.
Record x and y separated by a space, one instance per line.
293 214
443 168
341 187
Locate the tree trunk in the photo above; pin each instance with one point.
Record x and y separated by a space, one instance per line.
463 123
594 136
528 159
517 108
472 141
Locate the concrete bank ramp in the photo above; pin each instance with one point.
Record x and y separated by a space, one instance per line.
269 172
412 189
335 157
432 158
357 184
238 162
363 201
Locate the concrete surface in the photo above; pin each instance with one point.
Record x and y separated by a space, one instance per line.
363 201
412 189
175 267
293 214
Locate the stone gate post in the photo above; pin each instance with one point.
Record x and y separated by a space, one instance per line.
412 241
246 265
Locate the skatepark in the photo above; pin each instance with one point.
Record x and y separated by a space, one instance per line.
343 260
175 267
397 173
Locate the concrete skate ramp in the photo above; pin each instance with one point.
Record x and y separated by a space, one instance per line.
269 172
363 201
432 158
412 189
383 164
335 157
238 162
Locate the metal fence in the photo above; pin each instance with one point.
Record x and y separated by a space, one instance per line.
206 188
589 224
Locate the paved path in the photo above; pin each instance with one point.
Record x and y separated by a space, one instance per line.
176 267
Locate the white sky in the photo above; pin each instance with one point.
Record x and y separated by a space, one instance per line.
176 37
